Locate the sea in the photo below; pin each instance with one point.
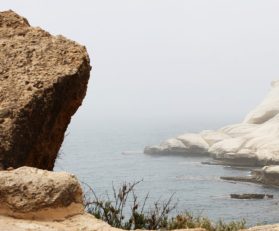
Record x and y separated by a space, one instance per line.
104 153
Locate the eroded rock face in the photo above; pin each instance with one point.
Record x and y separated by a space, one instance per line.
32 193
43 80
268 175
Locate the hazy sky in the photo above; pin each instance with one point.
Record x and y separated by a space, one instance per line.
158 58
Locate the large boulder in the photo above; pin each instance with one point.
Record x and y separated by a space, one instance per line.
43 80
31 193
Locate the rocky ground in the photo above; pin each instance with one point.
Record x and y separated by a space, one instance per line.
83 222
264 228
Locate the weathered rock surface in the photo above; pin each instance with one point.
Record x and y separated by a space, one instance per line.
32 193
268 175
43 80
254 142
84 222
264 228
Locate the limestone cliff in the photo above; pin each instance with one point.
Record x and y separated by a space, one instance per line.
253 142
43 80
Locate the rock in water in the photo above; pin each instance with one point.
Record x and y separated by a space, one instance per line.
43 80
247 196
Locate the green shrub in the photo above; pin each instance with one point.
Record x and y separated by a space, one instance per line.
125 202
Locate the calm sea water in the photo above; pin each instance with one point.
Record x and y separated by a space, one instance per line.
104 152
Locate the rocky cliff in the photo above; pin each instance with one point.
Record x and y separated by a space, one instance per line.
253 142
43 80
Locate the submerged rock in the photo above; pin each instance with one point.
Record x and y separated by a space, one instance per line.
250 196
254 142
43 80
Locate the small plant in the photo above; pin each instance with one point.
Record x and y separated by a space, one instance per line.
125 203
112 211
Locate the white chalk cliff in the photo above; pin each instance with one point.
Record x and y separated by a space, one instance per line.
253 142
